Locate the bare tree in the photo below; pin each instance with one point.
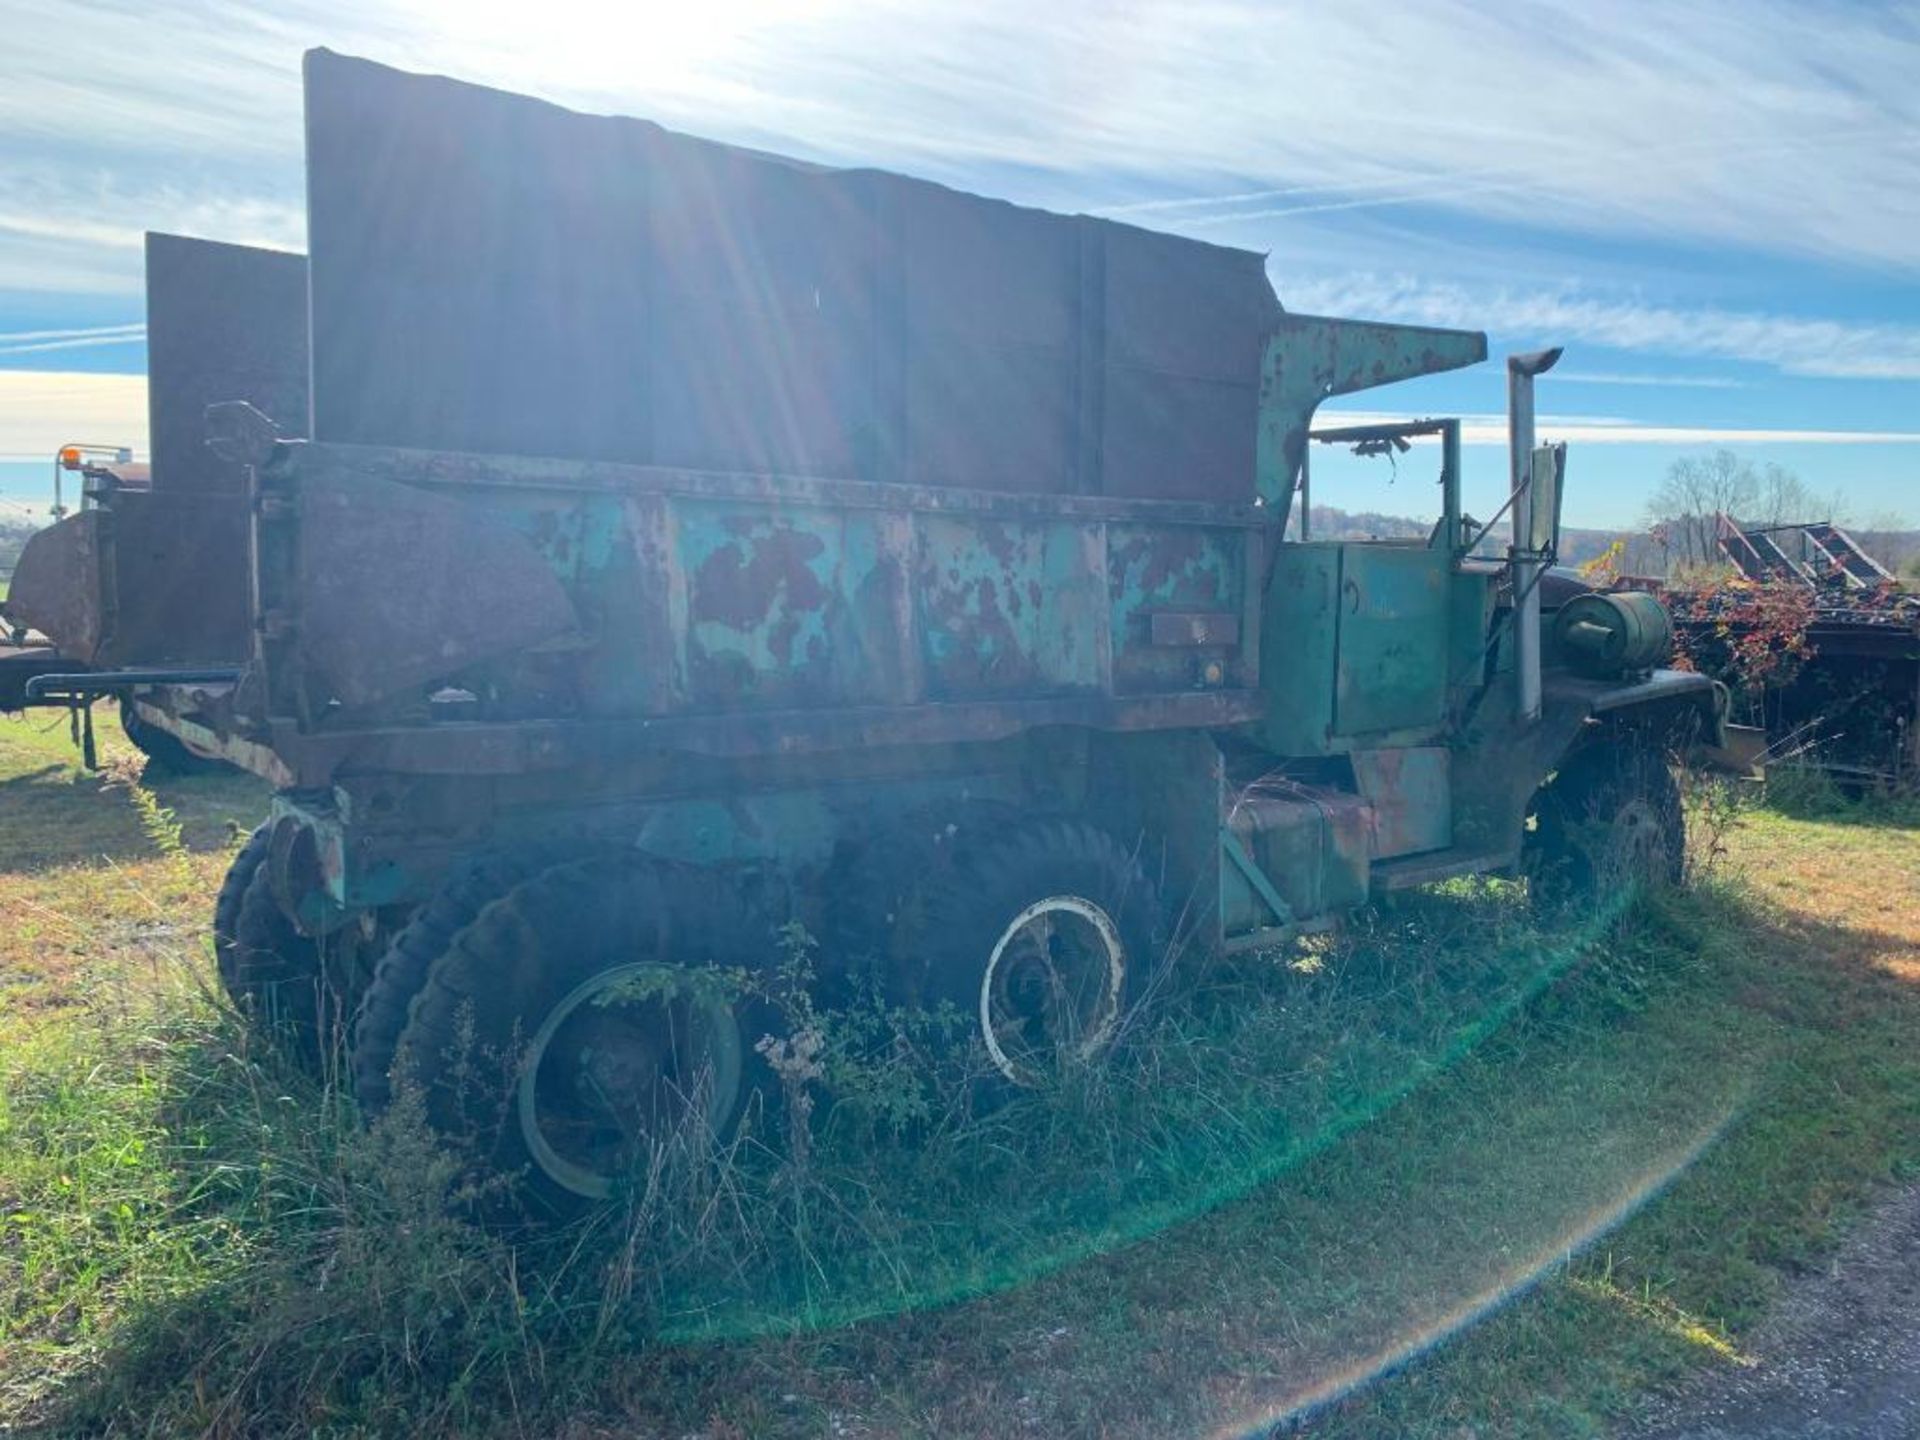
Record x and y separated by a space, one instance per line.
1697 488
1783 498
1683 512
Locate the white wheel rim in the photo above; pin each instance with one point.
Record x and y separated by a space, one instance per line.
1096 1036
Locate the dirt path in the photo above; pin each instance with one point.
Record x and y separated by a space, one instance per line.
1841 1358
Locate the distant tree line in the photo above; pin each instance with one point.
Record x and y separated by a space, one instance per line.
1680 521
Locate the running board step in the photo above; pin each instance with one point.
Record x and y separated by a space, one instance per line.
1411 870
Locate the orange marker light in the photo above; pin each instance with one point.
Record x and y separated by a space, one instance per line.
70 458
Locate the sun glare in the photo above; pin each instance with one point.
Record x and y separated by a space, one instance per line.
638 57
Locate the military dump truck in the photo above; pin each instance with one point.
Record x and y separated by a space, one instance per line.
692 541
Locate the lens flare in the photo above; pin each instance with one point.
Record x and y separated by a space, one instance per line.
956 1278
1512 1283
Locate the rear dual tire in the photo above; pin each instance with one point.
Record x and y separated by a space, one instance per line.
1042 934
579 1027
564 1019
166 752
273 974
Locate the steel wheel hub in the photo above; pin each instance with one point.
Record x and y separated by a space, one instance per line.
624 1064
1636 842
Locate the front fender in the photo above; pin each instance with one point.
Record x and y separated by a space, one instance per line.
1665 698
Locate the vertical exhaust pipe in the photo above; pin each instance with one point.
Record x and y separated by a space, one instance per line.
1526 562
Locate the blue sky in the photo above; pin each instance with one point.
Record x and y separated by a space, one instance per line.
1714 204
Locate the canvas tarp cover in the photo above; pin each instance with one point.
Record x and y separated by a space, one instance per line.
493 273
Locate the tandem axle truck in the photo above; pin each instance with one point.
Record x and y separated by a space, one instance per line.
692 541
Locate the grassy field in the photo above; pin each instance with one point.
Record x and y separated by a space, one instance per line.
1447 1176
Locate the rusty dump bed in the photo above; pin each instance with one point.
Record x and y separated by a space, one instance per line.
636 607
496 275
626 442
832 457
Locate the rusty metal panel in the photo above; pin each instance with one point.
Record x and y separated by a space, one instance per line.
492 274
1392 671
174 589
390 586
992 306
1185 328
56 585
1312 843
224 322
1157 573
761 274
130 584
478 279
1311 357
785 608
1298 649
741 614
1411 792
1012 608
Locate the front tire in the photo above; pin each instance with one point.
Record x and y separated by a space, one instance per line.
1610 818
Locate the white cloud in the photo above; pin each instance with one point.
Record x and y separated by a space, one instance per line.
1759 124
88 332
1649 382
86 231
1794 345
125 335
41 410
1594 430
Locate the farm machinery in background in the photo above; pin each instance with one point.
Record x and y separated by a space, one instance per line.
692 541
149 576
101 469
24 651
1820 646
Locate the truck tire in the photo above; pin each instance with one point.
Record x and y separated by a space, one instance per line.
876 910
578 1020
226 905
1611 816
165 752
275 976
402 967
1045 935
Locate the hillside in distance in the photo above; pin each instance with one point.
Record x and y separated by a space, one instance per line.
1640 553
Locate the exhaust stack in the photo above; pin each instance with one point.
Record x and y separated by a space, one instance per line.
1527 562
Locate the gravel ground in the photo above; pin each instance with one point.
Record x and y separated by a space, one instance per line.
1840 1358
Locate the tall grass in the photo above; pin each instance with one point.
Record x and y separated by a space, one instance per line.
200 1237
1808 792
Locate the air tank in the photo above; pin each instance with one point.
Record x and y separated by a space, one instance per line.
1612 634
